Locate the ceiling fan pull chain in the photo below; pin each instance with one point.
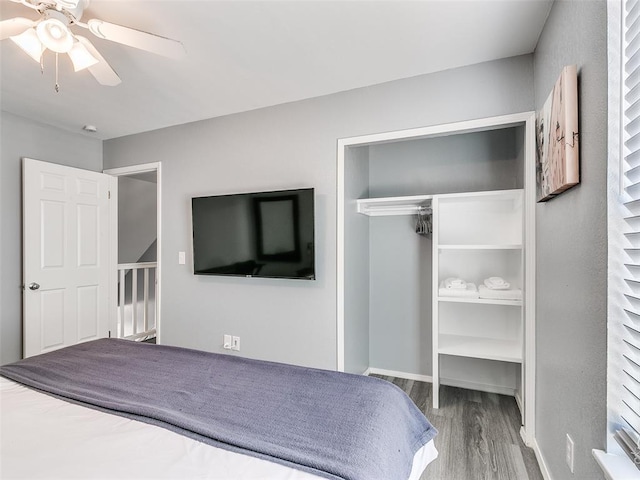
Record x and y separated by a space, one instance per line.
57 84
42 64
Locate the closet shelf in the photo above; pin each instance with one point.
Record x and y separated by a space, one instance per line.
485 301
477 347
481 247
408 205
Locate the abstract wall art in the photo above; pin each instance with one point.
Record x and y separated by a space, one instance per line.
557 164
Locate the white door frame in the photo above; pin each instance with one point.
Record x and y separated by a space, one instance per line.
526 119
133 170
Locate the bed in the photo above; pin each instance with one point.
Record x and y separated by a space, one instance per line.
120 409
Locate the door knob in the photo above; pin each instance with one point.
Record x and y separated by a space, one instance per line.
34 286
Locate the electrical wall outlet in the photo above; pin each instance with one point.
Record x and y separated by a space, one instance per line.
226 342
569 453
235 343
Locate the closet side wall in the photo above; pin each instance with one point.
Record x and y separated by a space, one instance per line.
400 260
356 273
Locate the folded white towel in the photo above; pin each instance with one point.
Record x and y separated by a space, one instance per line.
493 294
496 283
455 283
471 291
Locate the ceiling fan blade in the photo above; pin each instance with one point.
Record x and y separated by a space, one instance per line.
26 3
14 26
102 71
137 39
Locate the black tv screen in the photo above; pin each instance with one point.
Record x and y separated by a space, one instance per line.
263 234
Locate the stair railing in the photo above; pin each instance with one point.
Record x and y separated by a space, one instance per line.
130 297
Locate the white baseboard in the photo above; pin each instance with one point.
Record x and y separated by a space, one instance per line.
444 381
543 465
519 402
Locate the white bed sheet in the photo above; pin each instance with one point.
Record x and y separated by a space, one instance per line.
45 437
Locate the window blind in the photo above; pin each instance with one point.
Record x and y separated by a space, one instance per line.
627 346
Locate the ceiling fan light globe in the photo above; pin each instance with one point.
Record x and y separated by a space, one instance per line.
56 32
30 43
55 35
81 57
102 71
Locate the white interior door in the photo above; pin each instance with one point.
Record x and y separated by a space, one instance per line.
66 256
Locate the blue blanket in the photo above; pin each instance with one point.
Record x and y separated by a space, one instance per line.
334 425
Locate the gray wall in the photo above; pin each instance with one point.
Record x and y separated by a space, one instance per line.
468 162
137 218
572 252
19 138
287 146
401 261
400 328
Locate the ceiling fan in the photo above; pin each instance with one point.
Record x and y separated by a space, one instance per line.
52 31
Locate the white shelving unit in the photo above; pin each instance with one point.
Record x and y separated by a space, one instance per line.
476 236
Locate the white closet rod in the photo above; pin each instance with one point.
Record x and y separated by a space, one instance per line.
393 205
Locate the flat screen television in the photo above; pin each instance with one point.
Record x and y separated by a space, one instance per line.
262 234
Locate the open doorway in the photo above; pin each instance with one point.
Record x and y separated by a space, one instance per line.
138 240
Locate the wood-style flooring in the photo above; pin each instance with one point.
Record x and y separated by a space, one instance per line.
479 434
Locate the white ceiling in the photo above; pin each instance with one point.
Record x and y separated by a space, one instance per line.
243 55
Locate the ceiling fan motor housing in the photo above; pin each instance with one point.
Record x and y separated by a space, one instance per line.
72 9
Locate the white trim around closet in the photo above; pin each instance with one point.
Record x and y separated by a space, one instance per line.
526 119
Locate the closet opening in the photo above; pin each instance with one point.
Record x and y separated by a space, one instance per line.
416 208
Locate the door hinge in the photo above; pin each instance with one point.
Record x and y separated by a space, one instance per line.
109 195
109 333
